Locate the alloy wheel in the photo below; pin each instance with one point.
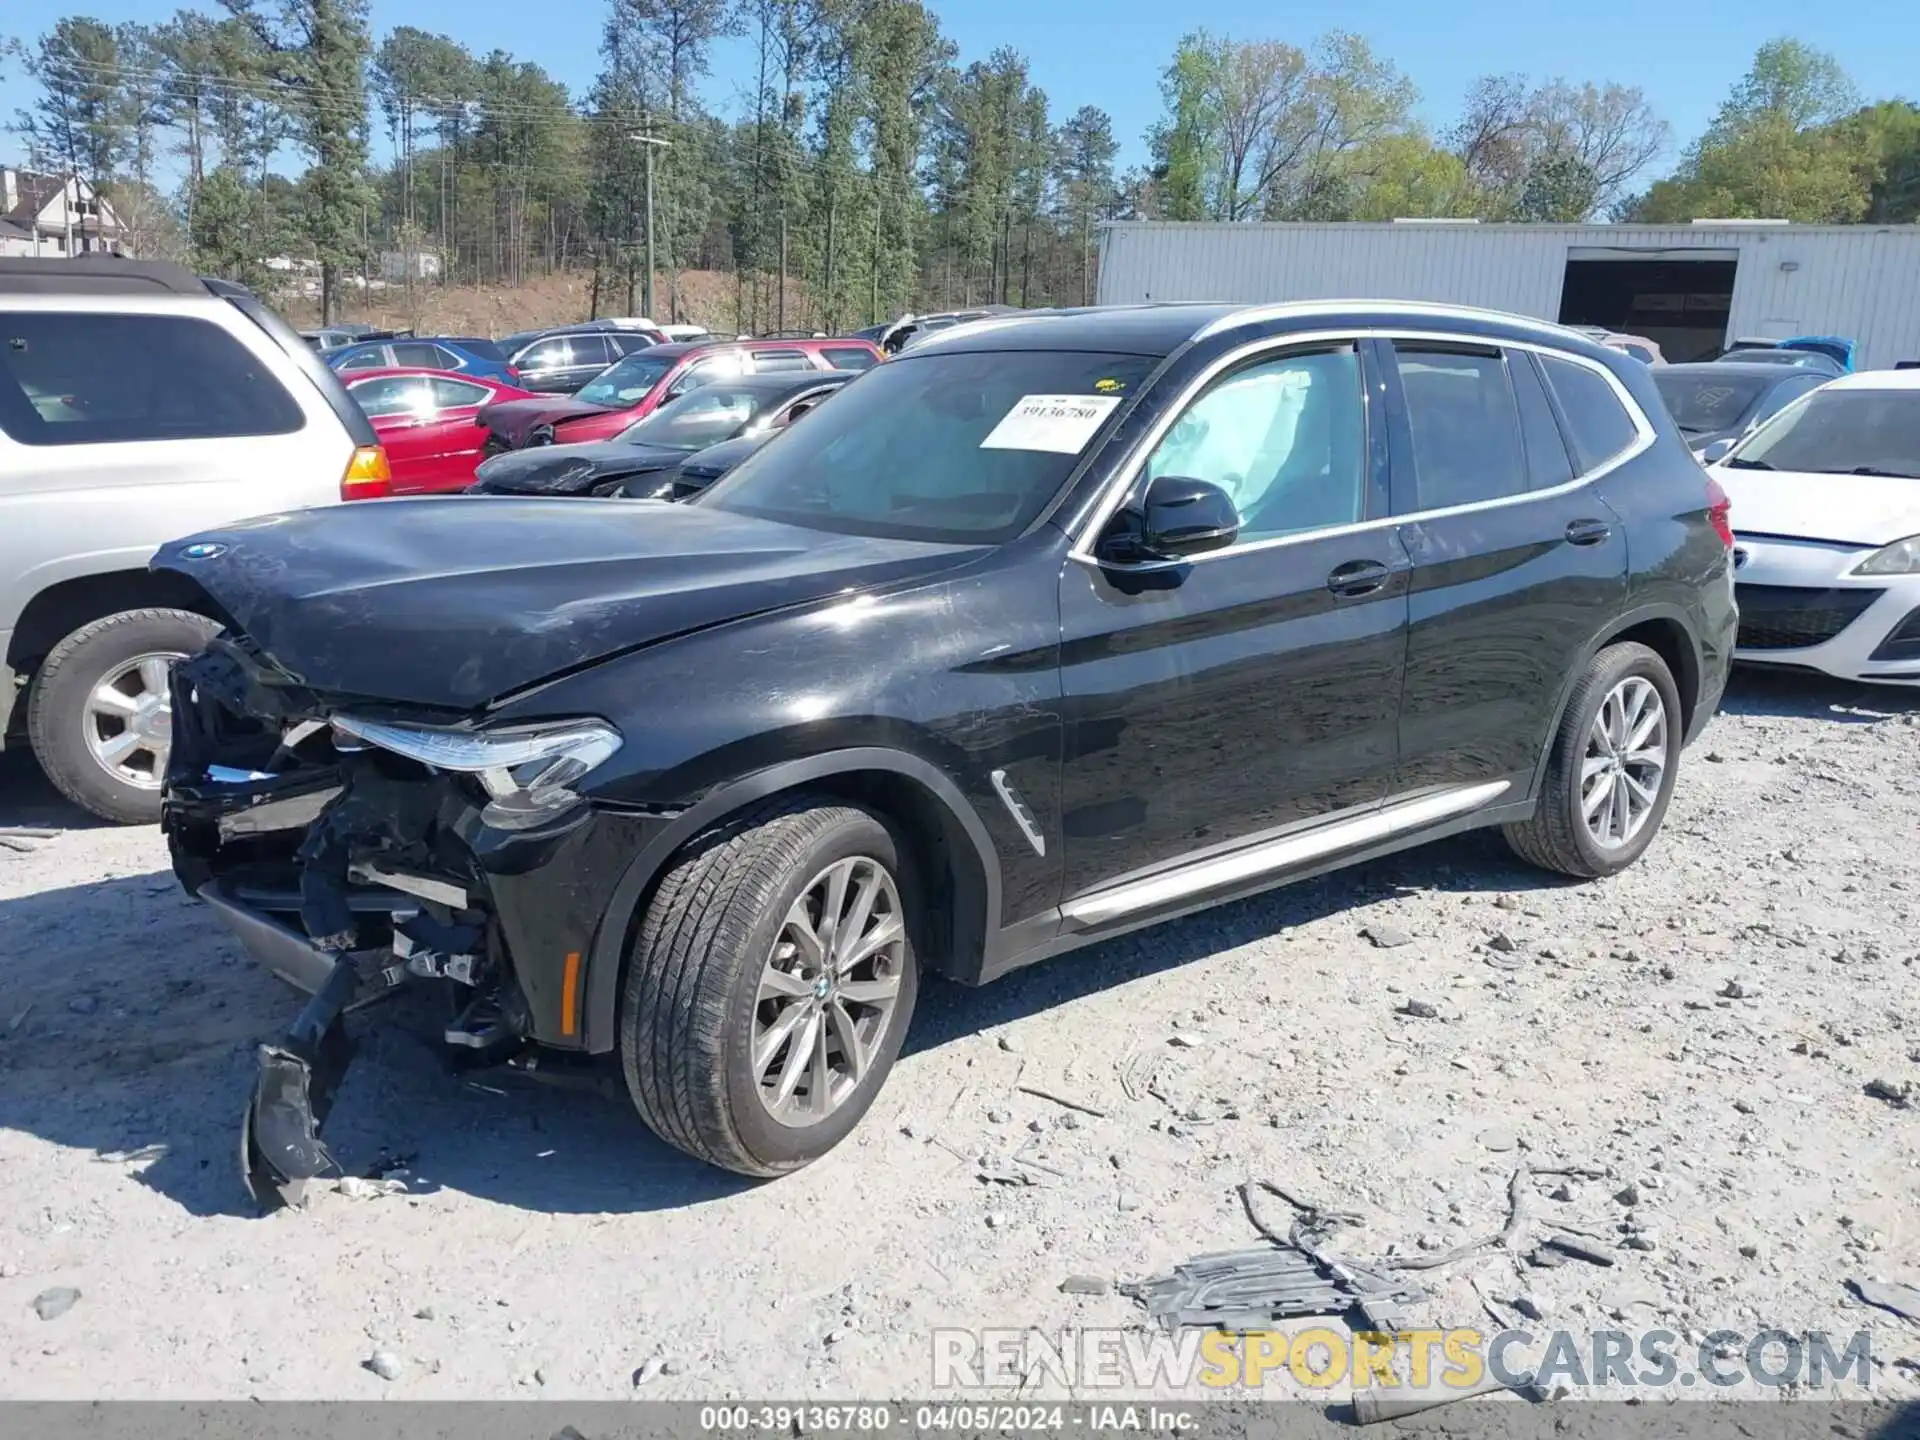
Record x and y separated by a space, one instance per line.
128 720
828 991
1624 764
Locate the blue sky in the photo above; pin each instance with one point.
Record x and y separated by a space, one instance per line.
1110 52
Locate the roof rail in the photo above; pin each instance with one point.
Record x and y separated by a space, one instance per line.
96 275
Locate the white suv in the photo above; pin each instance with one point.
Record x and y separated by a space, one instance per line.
138 403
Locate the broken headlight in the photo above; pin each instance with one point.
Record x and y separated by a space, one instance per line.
527 770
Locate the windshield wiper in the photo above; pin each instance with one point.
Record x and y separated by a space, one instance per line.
1889 474
1748 465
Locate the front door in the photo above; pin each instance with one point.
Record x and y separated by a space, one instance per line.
1254 689
1517 560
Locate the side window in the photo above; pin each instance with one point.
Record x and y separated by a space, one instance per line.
768 362
78 379
419 354
1548 463
374 359
593 350
391 395
452 394
547 355
625 345
1285 438
1466 426
1597 423
848 357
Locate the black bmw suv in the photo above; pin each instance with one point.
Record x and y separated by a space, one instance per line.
1052 627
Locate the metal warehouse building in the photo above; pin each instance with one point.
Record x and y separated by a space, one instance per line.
1693 287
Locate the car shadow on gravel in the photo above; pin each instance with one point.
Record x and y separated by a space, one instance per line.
1805 694
128 1024
28 799
1477 862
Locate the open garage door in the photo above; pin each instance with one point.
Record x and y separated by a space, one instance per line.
1679 298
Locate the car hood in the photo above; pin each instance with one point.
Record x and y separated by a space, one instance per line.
514 420
1846 509
450 602
569 469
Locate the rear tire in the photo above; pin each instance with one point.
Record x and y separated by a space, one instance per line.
719 968
1599 805
74 736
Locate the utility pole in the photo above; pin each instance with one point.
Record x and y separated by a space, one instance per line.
651 143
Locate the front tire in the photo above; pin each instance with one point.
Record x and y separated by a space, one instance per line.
771 986
1611 771
100 717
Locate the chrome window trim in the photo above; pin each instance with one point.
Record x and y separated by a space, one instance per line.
1128 472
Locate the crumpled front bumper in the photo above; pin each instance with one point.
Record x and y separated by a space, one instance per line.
351 873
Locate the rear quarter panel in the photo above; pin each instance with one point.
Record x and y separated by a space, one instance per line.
1677 565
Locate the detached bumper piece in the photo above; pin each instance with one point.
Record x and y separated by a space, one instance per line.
280 1145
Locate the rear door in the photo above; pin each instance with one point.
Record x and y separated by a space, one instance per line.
401 408
1252 691
1517 561
590 354
545 367
453 440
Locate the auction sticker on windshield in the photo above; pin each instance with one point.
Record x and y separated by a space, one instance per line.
1059 423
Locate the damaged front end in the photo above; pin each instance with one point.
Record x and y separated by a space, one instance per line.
354 852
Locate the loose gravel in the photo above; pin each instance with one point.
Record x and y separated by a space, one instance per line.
1728 1036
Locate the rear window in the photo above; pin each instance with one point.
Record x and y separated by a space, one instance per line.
849 357
1840 432
1705 404
1597 423
89 379
483 349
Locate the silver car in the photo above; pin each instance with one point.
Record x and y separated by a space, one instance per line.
138 403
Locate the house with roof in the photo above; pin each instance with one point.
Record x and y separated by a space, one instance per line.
55 215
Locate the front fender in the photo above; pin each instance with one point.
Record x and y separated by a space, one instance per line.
607 961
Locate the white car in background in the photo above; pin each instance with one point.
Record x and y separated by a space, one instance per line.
1826 519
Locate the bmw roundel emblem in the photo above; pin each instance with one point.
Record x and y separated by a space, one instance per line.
204 550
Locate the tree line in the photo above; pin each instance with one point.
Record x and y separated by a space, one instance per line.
869 170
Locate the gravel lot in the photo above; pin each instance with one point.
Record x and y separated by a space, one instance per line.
1711 1027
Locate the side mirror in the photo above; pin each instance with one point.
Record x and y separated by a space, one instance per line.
1182 517
1716 450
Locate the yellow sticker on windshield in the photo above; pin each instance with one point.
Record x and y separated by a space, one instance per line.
1107 385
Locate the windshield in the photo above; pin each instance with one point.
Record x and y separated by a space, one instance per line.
965 448
1840 432
693 422
625 382
1702 404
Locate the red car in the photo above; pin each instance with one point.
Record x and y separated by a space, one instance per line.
633 388
425 421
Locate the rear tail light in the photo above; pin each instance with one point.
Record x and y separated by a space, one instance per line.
368 476
1720 512
513 372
